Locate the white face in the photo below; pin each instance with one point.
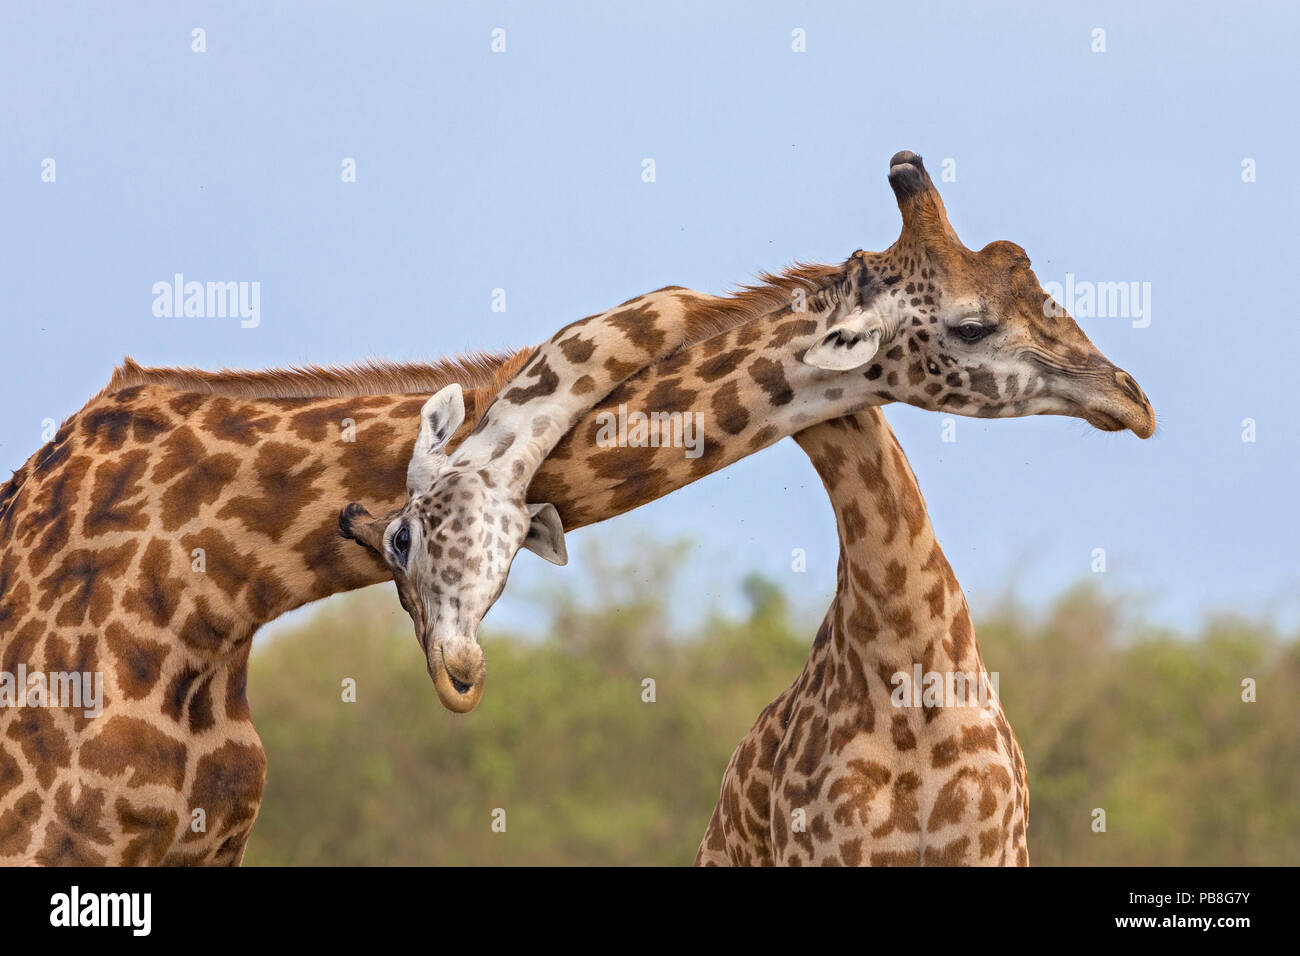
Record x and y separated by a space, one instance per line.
451 547
450 552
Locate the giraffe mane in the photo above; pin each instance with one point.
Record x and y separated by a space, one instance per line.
475 370
8 495
770 292
478 369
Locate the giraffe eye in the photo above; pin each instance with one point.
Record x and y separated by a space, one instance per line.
402 544
972 330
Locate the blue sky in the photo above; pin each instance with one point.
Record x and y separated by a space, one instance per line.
522 170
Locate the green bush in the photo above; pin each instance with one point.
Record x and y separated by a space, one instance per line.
1148 726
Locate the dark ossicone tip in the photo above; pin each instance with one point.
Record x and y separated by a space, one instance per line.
906 156
907 175
353 512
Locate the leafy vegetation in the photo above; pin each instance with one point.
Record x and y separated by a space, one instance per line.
1149 726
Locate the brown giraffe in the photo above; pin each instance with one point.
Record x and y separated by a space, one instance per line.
834 771
104 530
101 535
938 326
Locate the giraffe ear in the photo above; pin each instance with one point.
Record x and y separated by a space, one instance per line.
357 524
546 534
850 343
439 418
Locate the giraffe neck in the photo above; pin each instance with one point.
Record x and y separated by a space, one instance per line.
898 607
569 373
677 334
248 487
255 482
841 769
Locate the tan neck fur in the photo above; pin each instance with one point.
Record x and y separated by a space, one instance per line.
832 771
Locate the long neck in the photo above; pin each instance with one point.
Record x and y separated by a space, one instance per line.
715 401
698 411
253 485
897 649
735 355
897 601
569 373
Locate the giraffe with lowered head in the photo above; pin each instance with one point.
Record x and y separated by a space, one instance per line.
927 322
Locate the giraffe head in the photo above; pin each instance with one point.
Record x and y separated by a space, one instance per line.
972 332
451 545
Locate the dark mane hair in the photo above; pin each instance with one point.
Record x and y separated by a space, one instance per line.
772 292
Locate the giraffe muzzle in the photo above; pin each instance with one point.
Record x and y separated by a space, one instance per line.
1107 398
1122 405
458 672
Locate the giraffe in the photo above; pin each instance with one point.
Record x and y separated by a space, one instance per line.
935 325
168 519
167 463
475 497
179 510
136 544
843 768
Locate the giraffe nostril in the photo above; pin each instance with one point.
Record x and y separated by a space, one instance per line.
1129 387
460 686
462 663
